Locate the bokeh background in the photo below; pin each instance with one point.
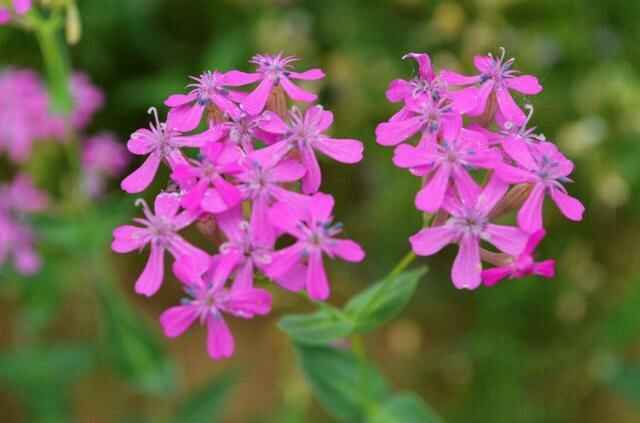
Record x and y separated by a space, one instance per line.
77 345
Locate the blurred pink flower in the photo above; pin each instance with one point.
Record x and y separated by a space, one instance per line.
103 157
20 8
87 100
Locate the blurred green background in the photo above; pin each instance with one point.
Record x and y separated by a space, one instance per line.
77 344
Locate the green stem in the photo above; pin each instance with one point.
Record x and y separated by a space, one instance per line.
402 264
55 61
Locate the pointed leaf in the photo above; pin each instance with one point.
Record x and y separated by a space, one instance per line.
404 408
384 300
319 328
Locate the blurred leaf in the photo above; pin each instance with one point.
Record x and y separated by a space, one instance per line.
42 377
132 348
622 325
384 300
404 408
347 388
627 382
318 328
205 405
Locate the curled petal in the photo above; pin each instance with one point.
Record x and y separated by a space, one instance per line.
151 278
142 177
570 207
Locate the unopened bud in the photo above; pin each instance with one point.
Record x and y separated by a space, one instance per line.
73 26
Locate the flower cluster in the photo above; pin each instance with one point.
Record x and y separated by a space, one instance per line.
26 118
15 8
470 129
18 199
236 160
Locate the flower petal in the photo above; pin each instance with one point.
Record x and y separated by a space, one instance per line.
508 239
176 320
220 342
525 84
430 197
431 240
295 92
570 207
151 278
530 214
392 133
254 103
128 238
142 177
317 282
347 250
467 268
342 150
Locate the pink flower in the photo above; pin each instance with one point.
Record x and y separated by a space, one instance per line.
157 143
244 251
447 161
87 100
103 153
24 113
522 265
203 180
17 199
544 166
469 223
209 89
160 230
304 135
261 182
102 157
423 115
301 264
207 302
243 129
273 71
20 7
496 76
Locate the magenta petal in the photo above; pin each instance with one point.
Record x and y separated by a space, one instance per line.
312 178
466 186
288 171
128 238
22 6
244 276
212 202
467 267
425 70
295 92
185 118
431 240
530 215
509 108
392 133
226 264
271 122
408 156
317 282
176 320
5 15
237 78
283 260
347 250
318 118
484 92
533 242
492 276
248 302
141 178
151 278
220 342
570 207
546 269
518 150
484 64
513 175
310 75
141 142
526 84
398 90
465 100
254 103
342 150
320 207
230 194
177 100
508 239
455 78
167 205
491 194
430 197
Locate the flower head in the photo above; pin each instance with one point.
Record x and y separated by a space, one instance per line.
301 264
160 231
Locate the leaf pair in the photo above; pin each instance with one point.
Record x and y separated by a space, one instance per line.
371 308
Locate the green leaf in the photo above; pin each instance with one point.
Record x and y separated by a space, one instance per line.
205 405
318 328
404 408
347 388
132 348
383 301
